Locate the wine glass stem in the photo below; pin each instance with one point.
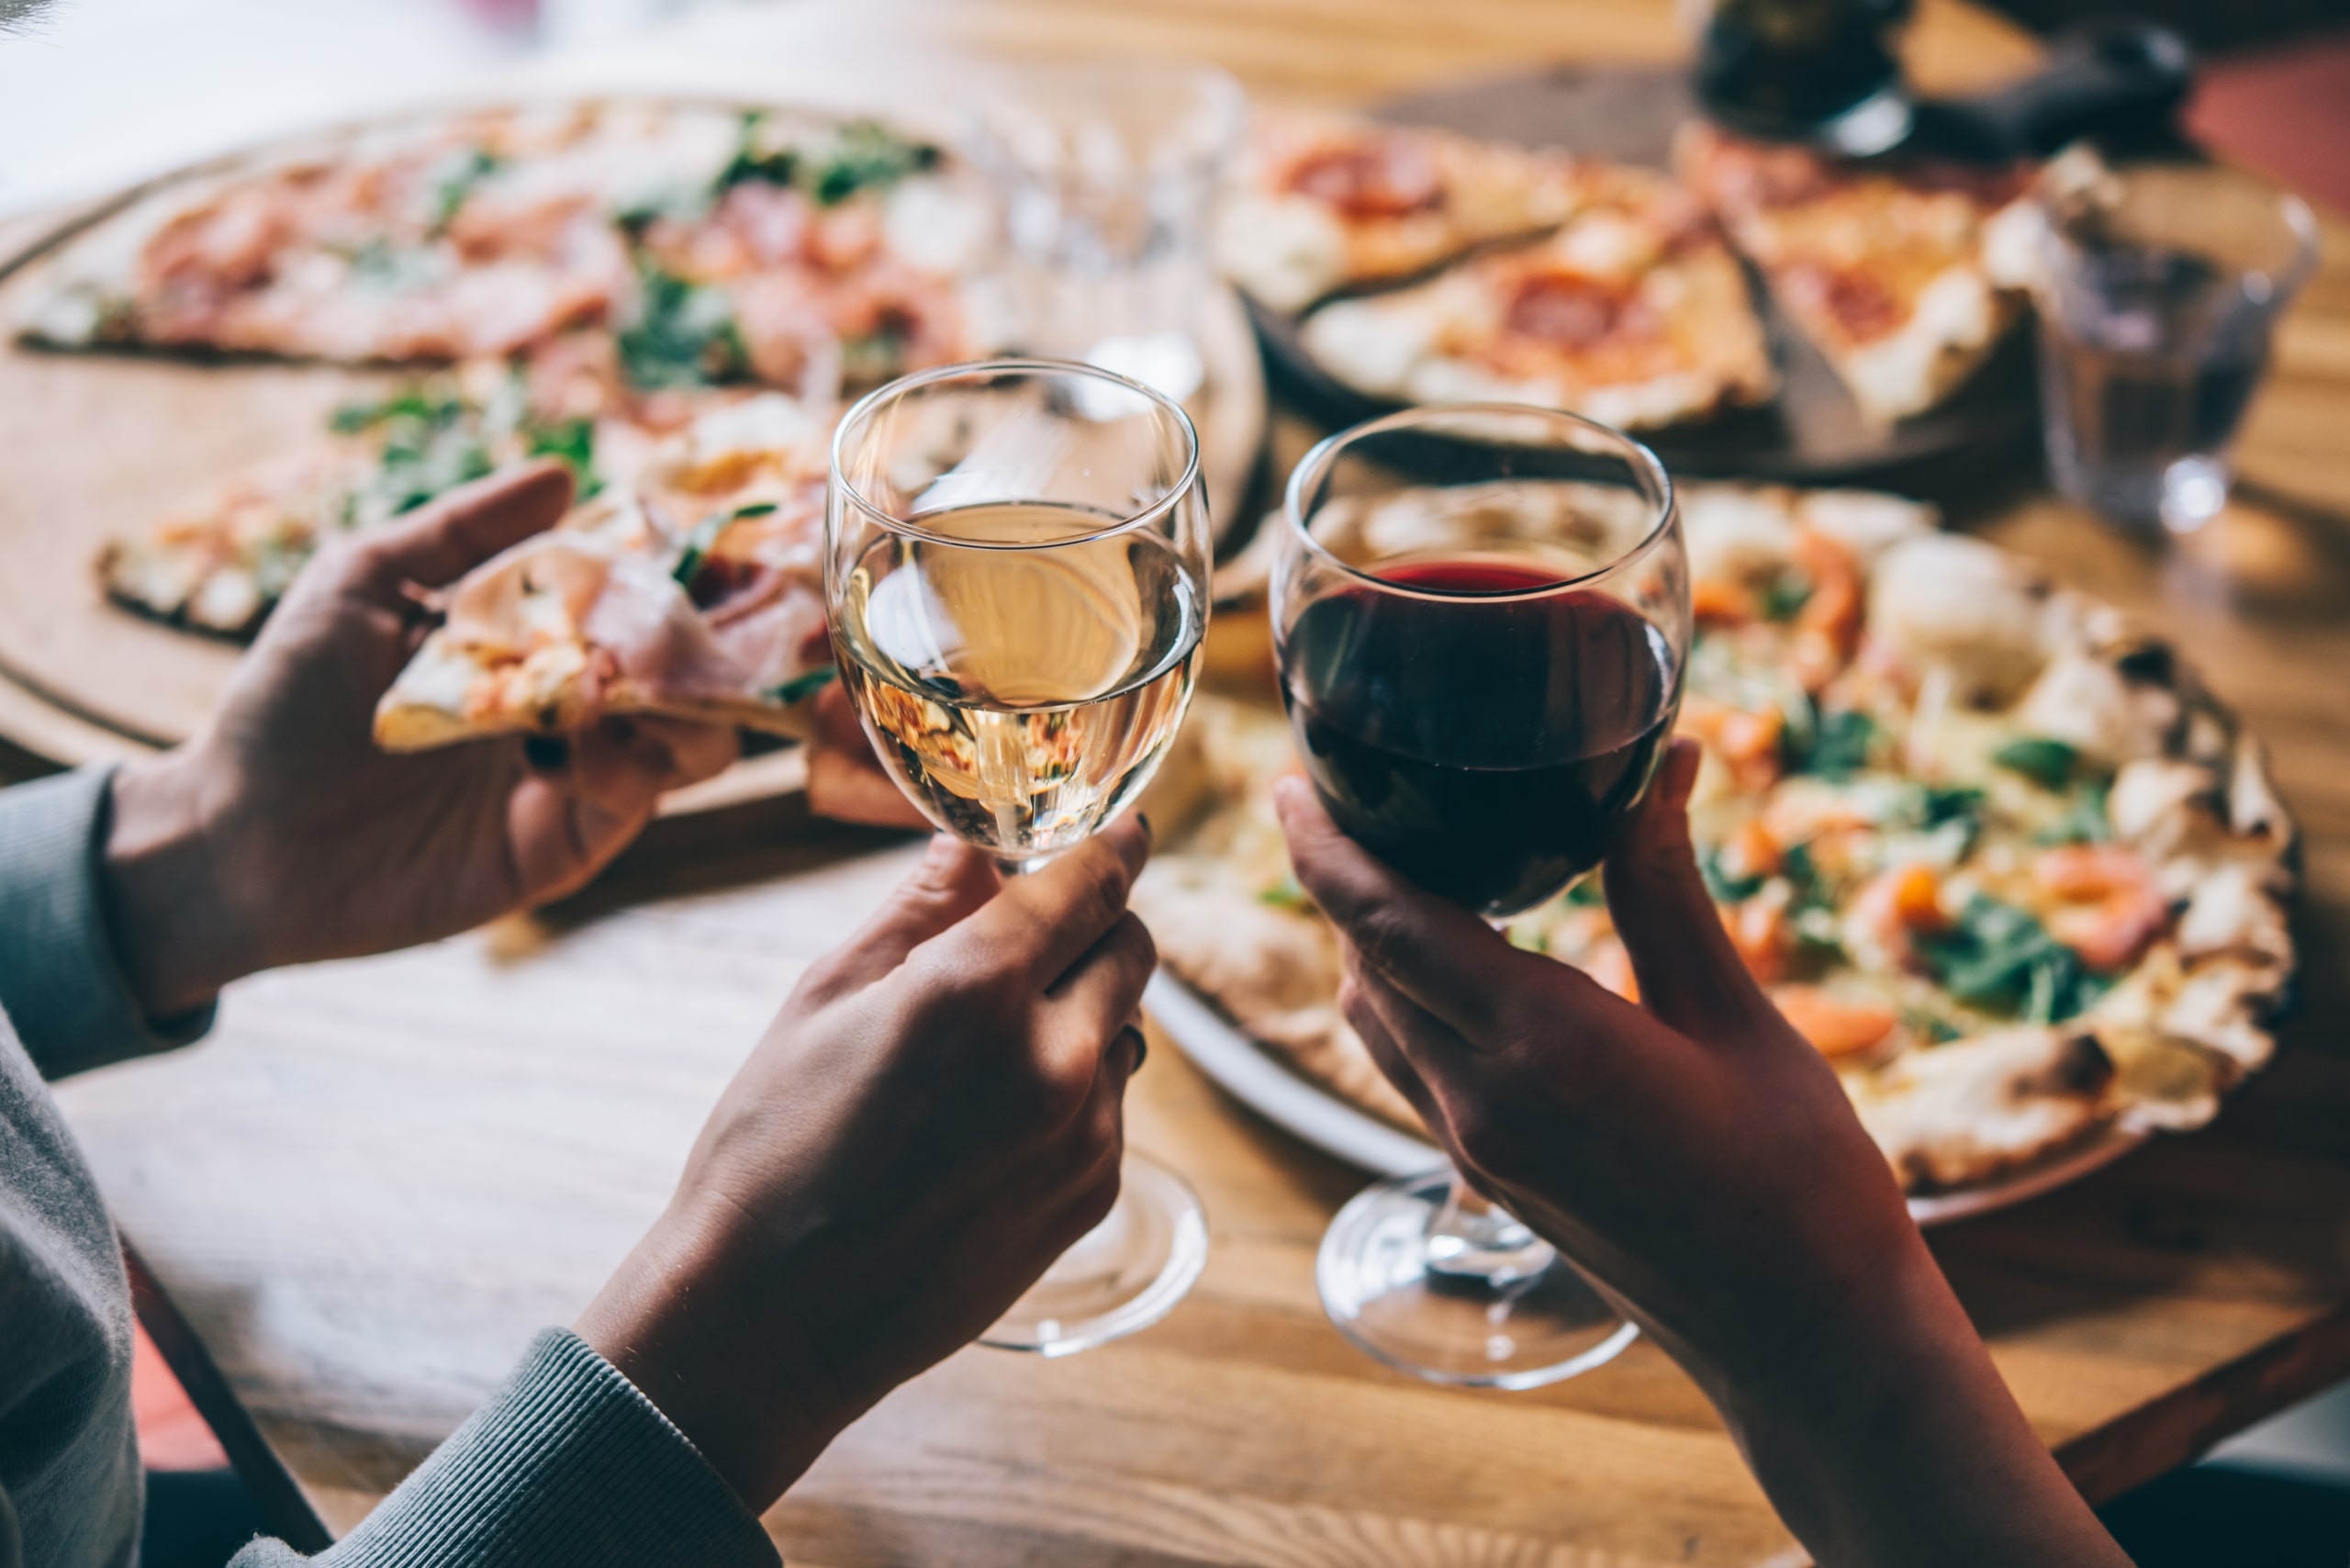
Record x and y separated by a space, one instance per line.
1471 1239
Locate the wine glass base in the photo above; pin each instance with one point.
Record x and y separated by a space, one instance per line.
1380 1291
1121 1276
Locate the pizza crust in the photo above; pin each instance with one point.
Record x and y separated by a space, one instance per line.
1969 1112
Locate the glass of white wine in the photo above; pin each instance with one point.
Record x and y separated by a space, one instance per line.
1016 565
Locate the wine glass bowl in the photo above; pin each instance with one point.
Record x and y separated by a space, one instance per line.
1482 618
1017 560
1015 571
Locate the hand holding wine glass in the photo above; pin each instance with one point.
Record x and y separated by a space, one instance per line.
1698 1155
1016 569
1481 617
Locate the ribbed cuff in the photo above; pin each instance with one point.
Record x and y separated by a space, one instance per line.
61 982
569 1466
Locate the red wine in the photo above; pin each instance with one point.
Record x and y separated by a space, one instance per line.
1489 748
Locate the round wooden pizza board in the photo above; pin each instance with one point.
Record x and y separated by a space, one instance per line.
1813 433
98 444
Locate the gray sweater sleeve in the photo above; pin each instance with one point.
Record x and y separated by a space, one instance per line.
60 979
567 1467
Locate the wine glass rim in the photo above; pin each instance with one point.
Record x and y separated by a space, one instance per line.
1025 365
1325 452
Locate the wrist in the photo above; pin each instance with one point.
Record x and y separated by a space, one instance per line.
165 879
682 1321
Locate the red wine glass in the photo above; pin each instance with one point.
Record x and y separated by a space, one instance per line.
1481 616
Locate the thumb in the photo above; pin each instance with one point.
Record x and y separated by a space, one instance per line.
952 882
468 526
1690 973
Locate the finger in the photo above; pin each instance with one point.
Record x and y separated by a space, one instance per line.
1386 1054
953 881
560 838
1690 973
845 781
1097 998
682 751
468 526
1444 957
1047 921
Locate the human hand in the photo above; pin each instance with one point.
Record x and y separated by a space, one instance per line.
933 1119
1699 1161
283 834
845 780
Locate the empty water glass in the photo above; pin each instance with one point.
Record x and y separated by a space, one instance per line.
1107 170
2159 287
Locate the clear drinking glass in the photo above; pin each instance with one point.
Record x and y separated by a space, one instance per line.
1481 616
2160 284
1016 564
1107 170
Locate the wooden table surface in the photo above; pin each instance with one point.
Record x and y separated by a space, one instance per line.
378 1178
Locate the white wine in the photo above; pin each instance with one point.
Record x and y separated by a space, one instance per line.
1021 696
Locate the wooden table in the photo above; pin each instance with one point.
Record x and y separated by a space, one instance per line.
378 1178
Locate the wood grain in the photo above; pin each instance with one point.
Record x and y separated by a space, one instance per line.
378 1178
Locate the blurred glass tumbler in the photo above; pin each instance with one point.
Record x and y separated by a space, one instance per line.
1107 171
2159 286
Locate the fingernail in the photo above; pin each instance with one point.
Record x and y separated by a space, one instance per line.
1142 1048
548 753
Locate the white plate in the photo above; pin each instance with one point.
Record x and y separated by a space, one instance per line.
1305 1110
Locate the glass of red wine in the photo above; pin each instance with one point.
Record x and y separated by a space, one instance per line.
1481 616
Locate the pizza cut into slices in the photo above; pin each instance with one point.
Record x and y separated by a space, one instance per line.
1905 274
1633 313
630 606
1323 203
1993 852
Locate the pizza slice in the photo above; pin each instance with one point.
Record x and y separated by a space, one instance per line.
633 605
1323 203
1904 275
1633 313
219 561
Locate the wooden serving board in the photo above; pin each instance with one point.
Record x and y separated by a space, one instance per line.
1812 432
100 443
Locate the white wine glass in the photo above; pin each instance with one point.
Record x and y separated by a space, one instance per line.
1016 566
1481 617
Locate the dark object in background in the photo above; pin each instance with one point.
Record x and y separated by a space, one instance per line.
196 1519
1806 70
1824 72
2215 1514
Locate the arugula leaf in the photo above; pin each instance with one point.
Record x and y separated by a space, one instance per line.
1785 597
703 537
1588 893
861 155
1286 894
456 179
2047 763
1841 745
1998 955
1726 887
684 337
573 441
2085 818
801 686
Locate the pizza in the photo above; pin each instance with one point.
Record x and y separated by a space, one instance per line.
1321 203
1633 313
1994 852
715 246
697 592
588 279
1905 274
